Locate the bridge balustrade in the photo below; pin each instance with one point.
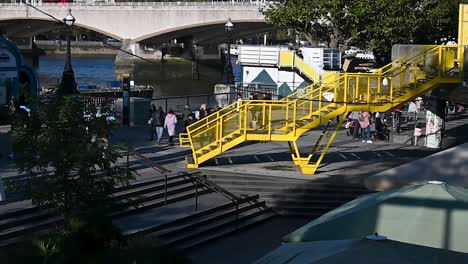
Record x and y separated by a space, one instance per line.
132 3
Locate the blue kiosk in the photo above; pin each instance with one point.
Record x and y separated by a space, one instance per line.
16 78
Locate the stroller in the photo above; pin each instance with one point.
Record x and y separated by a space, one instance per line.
349 126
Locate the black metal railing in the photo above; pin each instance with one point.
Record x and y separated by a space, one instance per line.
202 179
198 179
210 101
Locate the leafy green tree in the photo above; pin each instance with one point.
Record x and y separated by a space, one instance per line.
386 23
373 24
63 147
328 21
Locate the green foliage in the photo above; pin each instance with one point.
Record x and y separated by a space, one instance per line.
373 24
73 168
64 248
327 21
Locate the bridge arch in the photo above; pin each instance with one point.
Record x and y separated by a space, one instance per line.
140 22
200 32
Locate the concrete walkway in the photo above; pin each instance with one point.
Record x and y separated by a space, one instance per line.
449 166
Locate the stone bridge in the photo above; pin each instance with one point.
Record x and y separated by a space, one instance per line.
140 22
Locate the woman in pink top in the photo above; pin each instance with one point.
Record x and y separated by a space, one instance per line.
170 124
364 121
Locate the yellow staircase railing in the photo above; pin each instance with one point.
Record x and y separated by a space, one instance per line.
288 119
289 59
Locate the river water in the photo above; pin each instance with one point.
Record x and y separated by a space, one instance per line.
168 79
88 70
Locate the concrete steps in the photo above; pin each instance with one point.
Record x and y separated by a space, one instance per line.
289 196
135 198
209 224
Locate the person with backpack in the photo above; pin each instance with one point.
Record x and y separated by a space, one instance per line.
158 123
364 122
356 127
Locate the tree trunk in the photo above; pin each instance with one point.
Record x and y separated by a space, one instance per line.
309 37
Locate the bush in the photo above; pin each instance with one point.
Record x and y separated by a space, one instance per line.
62 248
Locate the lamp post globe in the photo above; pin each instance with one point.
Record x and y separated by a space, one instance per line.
68 83
229 27
69 19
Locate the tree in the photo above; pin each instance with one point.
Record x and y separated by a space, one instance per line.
388 22
328 21
63 147
373 24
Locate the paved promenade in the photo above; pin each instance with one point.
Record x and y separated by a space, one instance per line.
347 161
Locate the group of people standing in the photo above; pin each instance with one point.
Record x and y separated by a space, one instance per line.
360 121
158 121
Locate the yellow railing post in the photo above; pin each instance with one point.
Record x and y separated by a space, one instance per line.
357 89
379 85
263 114
320 97
391 89
440 61
402 75
368 91
244 128
345 89
311 104
220 137
294 117
269 121
444 59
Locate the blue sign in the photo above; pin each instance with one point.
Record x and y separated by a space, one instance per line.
15 73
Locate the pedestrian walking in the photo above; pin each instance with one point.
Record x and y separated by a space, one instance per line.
185 117
253 110
202 112
356 127
170 124
397 120
158 120
238 101
413 111
364 122
150 122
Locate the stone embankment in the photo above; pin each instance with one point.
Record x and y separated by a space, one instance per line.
52 47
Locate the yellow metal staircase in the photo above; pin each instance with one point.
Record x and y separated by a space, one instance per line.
286 120
289 59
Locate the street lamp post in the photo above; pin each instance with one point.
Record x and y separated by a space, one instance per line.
229 27
68 84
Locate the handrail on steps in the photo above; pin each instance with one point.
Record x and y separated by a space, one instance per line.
202 179
218 189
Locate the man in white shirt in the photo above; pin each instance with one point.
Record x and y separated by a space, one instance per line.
413 111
